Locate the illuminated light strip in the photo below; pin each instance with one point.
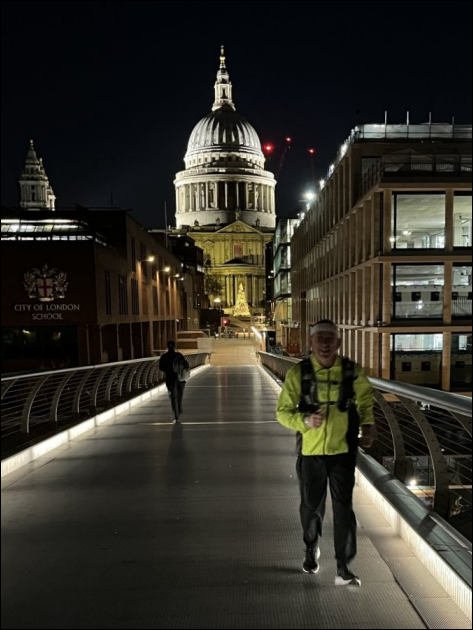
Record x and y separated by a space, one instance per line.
452 583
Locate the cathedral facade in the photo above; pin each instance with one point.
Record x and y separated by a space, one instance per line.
225 200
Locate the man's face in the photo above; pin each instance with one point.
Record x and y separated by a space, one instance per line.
325 346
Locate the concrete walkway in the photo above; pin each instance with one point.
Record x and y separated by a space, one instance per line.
234 352
140 524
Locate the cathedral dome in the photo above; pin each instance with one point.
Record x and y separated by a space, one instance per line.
224 180
224 130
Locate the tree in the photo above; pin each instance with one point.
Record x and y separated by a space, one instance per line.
241 307
213 286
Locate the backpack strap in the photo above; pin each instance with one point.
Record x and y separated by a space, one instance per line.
347 403
347 388
309 398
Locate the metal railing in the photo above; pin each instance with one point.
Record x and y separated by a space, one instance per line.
406 131
411 168
424 440
36 403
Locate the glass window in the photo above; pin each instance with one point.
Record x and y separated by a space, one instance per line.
462 292
462 220
417 291
418 221
460 373
108 293
417 359
11 343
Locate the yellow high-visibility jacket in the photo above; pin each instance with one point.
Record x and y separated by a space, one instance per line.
331 437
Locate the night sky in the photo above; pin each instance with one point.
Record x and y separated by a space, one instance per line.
110 91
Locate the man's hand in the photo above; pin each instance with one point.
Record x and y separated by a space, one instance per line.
315 421
368 436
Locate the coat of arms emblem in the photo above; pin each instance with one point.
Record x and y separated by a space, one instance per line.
46 285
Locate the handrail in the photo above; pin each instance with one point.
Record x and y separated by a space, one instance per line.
445 400
76 369
43 401
449 401
421 432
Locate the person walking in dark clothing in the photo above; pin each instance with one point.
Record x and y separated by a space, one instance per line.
328 400
176 368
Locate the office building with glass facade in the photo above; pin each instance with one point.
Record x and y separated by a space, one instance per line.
385 251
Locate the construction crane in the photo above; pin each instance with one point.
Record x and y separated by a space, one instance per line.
269 148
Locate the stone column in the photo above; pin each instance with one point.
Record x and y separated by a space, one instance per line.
207 204
226 196
446 360
188 198
230 290
225 297
366 296
375 218
366 349
374 354
449 221
387 293
386 356
447 293
387 218
366 230
237 194
374 303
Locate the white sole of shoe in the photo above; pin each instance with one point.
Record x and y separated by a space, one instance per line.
341 582
314 571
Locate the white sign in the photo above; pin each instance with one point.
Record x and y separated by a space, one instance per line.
46 311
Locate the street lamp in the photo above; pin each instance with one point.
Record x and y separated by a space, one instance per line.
149 259
166 270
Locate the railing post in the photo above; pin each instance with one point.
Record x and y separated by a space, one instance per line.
57 395
108 387
146 376
6 387
130 379
141 369
155 375
95 388
121 380
78 392
25 415
439 464
400 464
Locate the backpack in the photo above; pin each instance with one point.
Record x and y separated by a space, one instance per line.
309 402
182 368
